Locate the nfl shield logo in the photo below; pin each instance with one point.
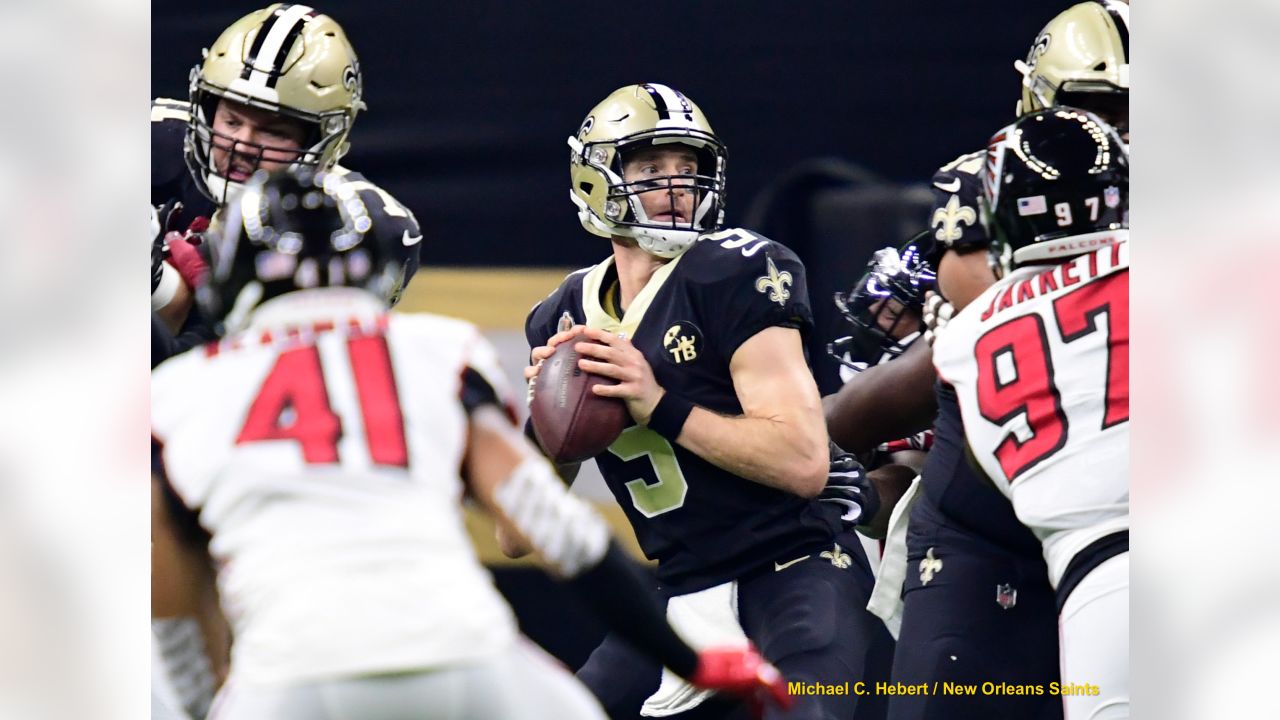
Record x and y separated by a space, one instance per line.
1006 596
1111 196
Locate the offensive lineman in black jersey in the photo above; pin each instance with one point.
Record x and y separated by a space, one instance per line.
977 602
280 87
720 473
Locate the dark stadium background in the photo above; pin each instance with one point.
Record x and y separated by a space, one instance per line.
835 113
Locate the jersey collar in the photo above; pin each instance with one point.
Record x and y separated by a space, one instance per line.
305 306
596 315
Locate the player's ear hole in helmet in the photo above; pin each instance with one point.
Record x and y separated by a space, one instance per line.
885 307
298 230
288 70
629 122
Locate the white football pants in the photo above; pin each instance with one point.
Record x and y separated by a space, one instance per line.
1094 627
524 684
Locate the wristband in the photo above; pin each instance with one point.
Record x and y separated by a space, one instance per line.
167 288
669 416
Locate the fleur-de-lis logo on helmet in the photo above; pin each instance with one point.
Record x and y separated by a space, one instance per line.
950 218
774 283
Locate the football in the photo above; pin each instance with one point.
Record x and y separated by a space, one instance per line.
571 422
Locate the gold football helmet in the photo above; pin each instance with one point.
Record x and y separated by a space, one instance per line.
286 59
634 117
1081 58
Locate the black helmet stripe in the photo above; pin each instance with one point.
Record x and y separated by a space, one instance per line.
252 57
668 101
658 100
274 40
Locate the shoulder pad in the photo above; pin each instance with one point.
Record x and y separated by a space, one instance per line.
169 173
747 282
732 253
163 109
955 220
390 216
969 163
545 316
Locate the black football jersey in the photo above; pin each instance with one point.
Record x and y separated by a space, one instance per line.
702 524
958 502
170 177
956 218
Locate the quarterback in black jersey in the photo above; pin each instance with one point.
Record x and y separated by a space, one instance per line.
280 88
977 602
720 472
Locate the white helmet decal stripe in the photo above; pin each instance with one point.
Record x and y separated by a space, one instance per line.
273 43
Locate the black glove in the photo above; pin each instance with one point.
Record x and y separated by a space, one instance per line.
849 488
162 217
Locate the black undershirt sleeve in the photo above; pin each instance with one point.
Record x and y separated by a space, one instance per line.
626 601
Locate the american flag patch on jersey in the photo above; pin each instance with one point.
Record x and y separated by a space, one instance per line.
1034 205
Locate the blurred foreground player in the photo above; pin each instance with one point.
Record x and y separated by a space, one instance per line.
280 87
323 445
1040 365
721 472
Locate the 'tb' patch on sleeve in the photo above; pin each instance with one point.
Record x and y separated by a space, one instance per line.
683 343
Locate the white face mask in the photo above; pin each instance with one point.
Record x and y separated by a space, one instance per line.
223 188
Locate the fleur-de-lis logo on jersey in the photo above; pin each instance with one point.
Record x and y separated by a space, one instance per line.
774 283
950 218
929 567
838 557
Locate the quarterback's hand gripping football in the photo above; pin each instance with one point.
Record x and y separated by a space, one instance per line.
742 672
937 313
849 489
616 357
566 330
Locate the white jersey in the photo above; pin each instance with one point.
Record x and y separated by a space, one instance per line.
321 448
1040 364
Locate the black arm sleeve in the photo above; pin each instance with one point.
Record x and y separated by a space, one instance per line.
627 602
163 344
197 330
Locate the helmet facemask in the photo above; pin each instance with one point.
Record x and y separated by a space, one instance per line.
287 60
323 143
630 121
885 308
624 212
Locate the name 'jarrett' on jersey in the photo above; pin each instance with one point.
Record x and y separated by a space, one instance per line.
1044 390
702 524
